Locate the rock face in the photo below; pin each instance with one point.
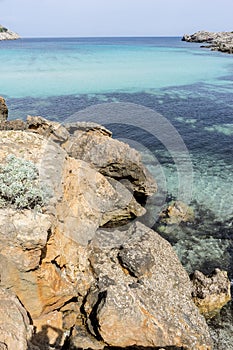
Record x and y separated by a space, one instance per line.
211 293
15 329
110 157
76 278
142 297
3 110
6 34
221 41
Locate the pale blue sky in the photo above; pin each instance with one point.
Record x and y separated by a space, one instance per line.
115 17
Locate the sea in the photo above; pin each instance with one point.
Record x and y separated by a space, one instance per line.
171 100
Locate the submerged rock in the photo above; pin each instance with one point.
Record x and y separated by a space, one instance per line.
176 213
211 293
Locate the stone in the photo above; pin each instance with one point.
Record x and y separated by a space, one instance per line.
176 213
86 127
100 286
111 158
15 329
6 34
28 231
125 208
211 293
23 236
81 339
3 110
54 131
16 124
46 262
98 202
49 331
218 41
141 302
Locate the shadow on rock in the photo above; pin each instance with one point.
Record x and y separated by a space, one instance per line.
41 340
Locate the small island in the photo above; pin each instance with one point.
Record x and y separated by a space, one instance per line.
6 34
220 41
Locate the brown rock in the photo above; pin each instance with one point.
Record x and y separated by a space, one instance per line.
15 329
3 110
52 130
211 293
49 331
46 262
23 236
143 294
87 126
98 202
111 158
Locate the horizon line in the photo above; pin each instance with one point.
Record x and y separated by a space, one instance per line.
103 36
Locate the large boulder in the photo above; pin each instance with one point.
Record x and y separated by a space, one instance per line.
142 296
43 251
110 157
125 286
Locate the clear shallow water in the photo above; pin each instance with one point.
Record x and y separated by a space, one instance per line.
191 87
50 67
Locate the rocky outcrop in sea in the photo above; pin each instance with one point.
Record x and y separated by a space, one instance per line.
6 34
78 269
220 41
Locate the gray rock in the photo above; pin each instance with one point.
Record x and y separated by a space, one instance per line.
52 130
211 293
87 126
6 34
220 41
16 124
145 301
3 110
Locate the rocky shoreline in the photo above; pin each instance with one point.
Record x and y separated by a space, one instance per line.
220 41
6 34
78 269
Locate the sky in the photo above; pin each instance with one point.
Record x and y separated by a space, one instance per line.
81 18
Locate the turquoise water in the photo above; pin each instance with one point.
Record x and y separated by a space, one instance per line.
182 123
50 67
191 88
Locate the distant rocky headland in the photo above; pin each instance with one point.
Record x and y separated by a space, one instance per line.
6 34
220 41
